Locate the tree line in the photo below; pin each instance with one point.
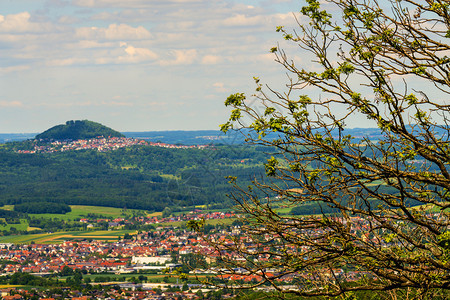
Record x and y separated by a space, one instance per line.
140 177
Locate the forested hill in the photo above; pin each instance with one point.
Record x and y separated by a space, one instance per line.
77 130
198 137
144 177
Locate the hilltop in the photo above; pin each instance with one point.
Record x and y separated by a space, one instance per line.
78 130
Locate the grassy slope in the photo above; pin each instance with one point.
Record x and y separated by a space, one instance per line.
81 211
59 237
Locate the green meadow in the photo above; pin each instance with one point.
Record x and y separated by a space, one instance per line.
23 225
79 212
82 211
210 222
59 237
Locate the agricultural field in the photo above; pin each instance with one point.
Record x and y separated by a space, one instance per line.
23 226
171 278
81 211
207 222
59 237
7 286
55 228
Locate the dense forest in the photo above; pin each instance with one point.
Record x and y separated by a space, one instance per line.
142 177
42 208
139 177
76 130
136 177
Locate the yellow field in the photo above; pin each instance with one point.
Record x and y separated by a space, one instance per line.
59 237
32 228
81 211
7 207
155 214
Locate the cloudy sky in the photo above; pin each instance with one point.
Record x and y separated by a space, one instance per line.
133 65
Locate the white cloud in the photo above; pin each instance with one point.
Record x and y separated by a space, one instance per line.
66 62
243 20
89 44
21 23
117 40
117 103
266 58
220 87
11 104
126 54
14 68
134 54
181 57
182 25
68 20
211 59
127 3
261 20
156 104
113 32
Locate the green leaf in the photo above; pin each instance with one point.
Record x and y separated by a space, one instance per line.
271 166
235 115
269 111
235 99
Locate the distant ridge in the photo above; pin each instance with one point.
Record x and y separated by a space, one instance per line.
77 130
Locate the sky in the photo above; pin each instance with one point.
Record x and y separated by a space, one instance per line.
133 65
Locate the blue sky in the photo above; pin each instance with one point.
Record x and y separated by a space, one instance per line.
133 65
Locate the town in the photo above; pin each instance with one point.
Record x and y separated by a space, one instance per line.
145 264
168 262
101 144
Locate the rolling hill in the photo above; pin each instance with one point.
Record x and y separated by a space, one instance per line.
78 130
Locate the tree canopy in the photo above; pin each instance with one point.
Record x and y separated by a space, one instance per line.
379 63
76 130
140 177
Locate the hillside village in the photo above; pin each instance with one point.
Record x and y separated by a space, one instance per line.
160 251
164 262
100 144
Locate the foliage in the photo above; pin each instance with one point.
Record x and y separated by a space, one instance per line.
313 208
383 62
159 177
20 278
42 208
167 212
192 261
8 214
78 130
53 225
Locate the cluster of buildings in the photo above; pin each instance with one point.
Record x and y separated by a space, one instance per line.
99 256
194 215
112 293
146 251
119 223
155 249
100 144
159 251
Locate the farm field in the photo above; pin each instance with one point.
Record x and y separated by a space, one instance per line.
81 211
59 237
103 235
210 222
150 277
23 225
